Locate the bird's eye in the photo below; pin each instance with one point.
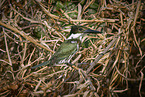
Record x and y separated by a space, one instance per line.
80 29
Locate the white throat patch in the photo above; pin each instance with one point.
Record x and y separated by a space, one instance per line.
74 36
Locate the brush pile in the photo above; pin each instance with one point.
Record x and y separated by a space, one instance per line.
108 64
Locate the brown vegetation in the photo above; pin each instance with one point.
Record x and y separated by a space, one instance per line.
32 30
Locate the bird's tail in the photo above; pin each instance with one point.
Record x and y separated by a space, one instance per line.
42 64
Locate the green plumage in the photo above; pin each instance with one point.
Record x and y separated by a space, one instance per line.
64 53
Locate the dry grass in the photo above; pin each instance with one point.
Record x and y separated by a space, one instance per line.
31 31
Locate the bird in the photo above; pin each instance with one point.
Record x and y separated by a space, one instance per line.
69 47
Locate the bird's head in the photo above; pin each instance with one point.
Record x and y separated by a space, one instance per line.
78 31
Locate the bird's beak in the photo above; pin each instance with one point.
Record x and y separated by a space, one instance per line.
92 31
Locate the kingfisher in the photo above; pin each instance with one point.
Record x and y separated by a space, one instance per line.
68 48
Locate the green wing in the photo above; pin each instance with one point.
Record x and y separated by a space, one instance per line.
64 52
